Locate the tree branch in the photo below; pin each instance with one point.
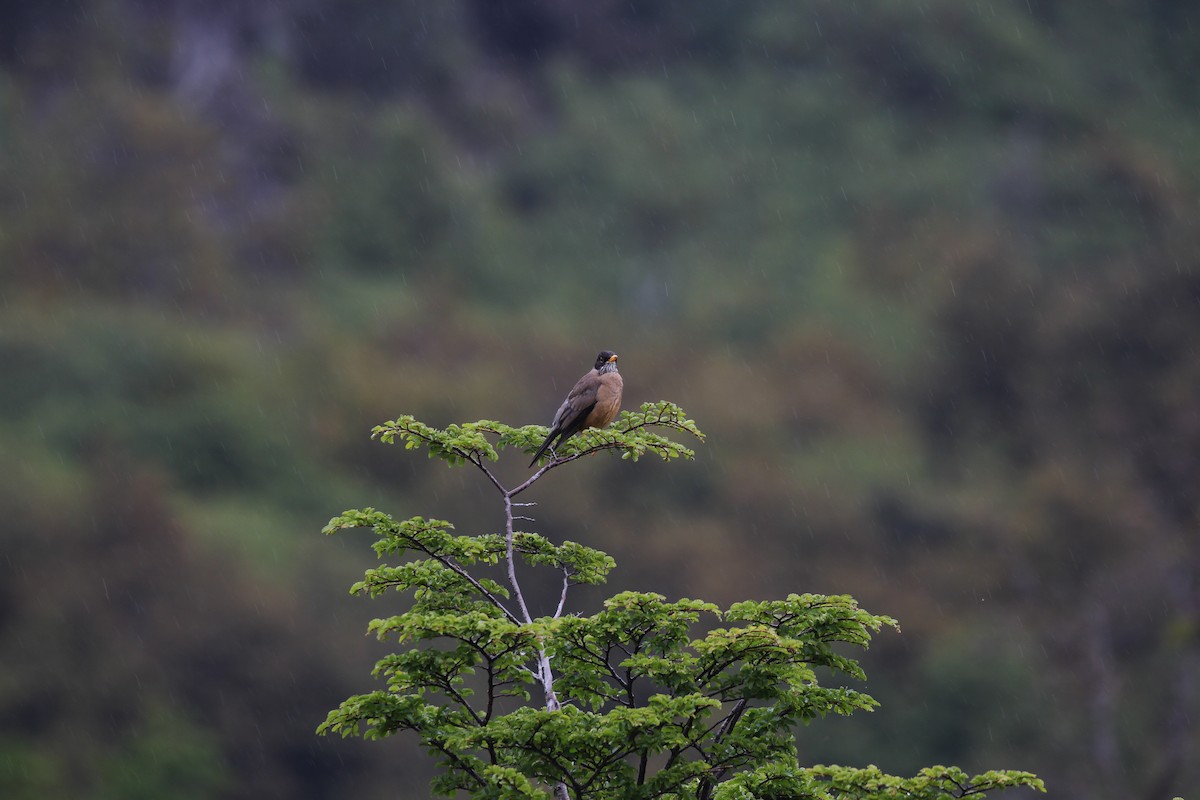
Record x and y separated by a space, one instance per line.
544 674
511 559
562 599
479 587
477 460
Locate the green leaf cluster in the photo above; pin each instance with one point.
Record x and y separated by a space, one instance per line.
469 442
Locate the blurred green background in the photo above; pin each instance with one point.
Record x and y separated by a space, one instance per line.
926 271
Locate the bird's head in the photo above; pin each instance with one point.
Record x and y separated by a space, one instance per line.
608 359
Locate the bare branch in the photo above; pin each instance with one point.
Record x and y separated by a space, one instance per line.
511 559
544 674
531 480
562 600
477 460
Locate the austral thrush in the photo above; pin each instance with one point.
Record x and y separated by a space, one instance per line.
593 403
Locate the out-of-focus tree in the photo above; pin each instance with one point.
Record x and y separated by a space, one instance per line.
1061 418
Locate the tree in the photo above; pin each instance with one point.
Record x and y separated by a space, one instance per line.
629 704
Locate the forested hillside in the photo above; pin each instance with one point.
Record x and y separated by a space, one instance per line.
926 272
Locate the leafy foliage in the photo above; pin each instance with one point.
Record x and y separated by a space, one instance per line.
629 434
644 698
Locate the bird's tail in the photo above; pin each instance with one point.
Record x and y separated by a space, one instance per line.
545 446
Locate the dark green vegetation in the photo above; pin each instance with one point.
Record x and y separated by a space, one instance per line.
625 703
925 272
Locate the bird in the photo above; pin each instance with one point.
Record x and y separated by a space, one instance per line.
592 403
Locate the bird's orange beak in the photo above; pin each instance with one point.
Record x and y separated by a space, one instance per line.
613 357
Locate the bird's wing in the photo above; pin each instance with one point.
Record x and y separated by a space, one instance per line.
579 403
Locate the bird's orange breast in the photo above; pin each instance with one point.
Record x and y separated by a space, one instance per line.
608 401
